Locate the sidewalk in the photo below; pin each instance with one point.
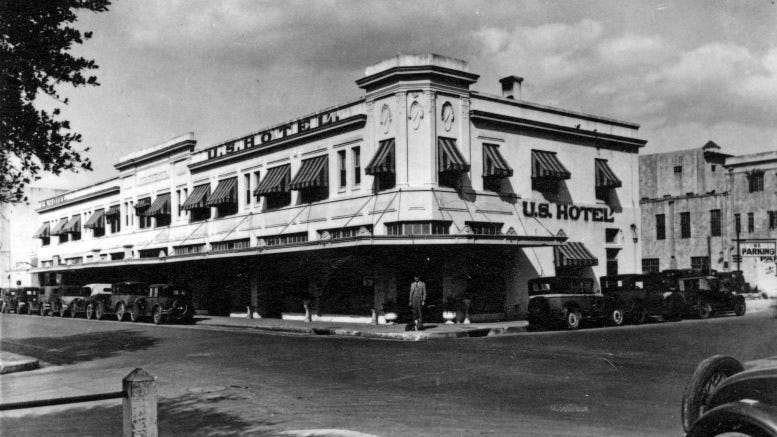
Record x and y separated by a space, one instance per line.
394 332
10 363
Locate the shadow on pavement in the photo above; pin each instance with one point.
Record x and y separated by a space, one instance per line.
189 415
77 348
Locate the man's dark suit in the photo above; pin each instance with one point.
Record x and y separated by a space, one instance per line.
417 299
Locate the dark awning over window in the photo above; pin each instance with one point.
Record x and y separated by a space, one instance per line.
314 173
142 205
494 165
276 181
605 177
96 220
161 206
546 165
197 199
57 229
225 192
73 226
574 254
449 158
113 211
383 161
43 231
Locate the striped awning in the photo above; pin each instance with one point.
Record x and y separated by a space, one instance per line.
494 164
383 161
161 206
449 158
546 165
142 205
43 231
197 199
73 226
605 177
574 254
225 192
96 220
57 229
275 181
113 211
314 173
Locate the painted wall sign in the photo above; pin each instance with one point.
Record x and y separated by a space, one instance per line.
276 133
567 212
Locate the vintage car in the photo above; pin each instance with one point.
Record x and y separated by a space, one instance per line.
706 295
74 300
722 398
52 297
566 301
122 297
165 302
27 299
635 297
47 297
9 298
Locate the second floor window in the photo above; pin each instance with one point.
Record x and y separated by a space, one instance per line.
342 169
750 222
685 225
660 227
772 219
715 223
357 165
737 223
755 181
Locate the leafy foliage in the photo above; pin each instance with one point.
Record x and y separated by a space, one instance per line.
35 38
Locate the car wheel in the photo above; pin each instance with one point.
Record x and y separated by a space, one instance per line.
572 319
708 375
135 313
616 317
157 315
639 315
120 310
705 310
99 311
740 308
89 311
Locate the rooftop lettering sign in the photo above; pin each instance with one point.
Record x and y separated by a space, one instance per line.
567 212
260 138
51 201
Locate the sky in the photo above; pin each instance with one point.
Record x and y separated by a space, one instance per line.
685 71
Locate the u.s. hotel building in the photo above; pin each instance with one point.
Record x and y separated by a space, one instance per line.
477 193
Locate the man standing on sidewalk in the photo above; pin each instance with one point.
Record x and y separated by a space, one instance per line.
417 300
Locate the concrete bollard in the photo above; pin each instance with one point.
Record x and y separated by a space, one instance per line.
140 405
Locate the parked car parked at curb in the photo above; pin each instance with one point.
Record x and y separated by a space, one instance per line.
47 296
52 297
566 301
706 296
27 298
723 398
74 301
119 302
166 302
635 297
9 298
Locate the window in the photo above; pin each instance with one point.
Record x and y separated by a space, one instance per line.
199 214
152 253
98 232
685 225
755 180
257 178
611 235
772 219
485 228
700 262
225 209
278 240
231 245
74 261
188 249
277 200
45 241
650 265
143 221
342 169
247 185
738 223
162 220
75 234
660 227
117 256
612 262
357 165
713 168
678 169
715 223
750 222
351 231
418 228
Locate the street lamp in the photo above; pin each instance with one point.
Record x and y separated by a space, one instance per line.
634 235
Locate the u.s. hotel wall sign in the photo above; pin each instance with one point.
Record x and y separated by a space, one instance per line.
545 210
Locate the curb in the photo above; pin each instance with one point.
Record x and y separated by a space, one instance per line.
18 366
405 336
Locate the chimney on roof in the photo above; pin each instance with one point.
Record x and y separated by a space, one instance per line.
511 87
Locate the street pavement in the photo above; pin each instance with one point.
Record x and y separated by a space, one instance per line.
624 381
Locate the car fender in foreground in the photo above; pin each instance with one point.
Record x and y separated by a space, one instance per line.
754 420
